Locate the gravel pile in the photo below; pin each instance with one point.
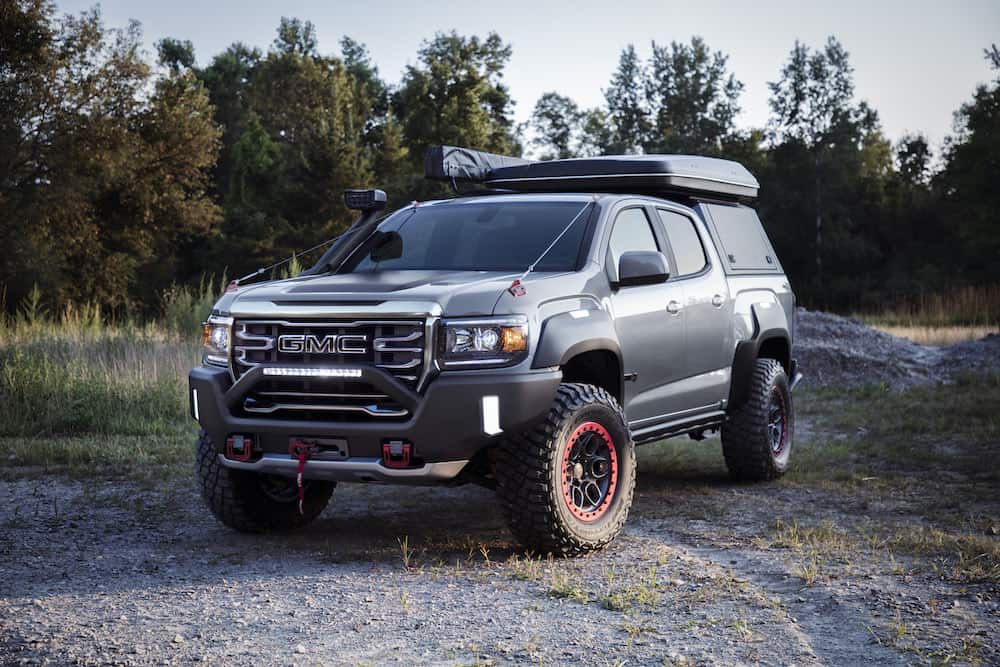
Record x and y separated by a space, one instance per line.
842 351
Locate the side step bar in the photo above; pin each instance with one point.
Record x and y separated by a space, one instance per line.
678 426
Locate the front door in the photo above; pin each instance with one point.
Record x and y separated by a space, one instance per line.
649 320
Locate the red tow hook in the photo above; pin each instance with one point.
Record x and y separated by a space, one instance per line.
301 451
396 454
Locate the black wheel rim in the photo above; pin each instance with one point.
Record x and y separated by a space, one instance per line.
777 423
590 472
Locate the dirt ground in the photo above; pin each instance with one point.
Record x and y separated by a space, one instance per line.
97 571
880 546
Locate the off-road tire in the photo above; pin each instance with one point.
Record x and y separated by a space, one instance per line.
530 474
746 436
237 497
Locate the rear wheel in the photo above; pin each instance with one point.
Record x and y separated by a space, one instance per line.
566 486
757 438
253 503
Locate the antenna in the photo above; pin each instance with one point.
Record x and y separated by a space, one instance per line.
516 288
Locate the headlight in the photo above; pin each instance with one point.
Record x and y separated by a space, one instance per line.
216 340
483 342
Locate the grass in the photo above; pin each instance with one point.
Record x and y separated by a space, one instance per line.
915 474
938 335
925 429
940 318
965 306
563 585
80 390
925 463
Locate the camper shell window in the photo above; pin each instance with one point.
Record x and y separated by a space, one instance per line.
740 236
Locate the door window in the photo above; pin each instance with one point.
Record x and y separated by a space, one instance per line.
632 232
689 254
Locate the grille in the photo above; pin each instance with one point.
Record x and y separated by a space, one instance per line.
394 346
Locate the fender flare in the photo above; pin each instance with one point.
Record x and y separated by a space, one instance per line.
566 335
769 324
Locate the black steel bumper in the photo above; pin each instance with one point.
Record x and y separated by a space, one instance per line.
449 421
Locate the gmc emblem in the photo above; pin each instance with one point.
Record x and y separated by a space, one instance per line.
329 344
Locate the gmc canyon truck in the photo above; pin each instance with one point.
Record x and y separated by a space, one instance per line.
524 336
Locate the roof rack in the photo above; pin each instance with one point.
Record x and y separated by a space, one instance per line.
634 174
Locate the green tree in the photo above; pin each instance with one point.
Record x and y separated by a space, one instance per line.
556 121
694 99
812 106
913 155
300 130
176 54
359 66
228 79
101 179
969 181
626 104
296 36
455 94
596 133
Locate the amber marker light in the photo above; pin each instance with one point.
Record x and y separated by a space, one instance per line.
514 339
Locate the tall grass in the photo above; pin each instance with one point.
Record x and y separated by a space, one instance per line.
80 373
966 306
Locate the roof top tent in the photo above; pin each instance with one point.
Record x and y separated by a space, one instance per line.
689 175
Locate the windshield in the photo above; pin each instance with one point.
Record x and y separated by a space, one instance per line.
481 236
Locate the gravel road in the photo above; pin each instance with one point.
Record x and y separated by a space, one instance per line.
104 570
95 573
111 572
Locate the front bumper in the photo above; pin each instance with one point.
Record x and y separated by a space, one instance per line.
457 415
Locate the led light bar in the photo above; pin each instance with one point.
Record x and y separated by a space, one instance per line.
313 372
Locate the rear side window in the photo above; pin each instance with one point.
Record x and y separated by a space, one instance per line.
684 241
744 244
631 232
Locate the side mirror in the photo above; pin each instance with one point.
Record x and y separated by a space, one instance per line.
388 246
642 267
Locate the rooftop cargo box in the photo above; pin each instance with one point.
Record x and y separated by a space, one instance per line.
633 174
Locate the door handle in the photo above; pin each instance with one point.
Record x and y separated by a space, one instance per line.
717 301
674 307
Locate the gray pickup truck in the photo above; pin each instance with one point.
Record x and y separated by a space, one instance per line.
524 336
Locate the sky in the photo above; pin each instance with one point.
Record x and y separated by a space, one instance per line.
915 61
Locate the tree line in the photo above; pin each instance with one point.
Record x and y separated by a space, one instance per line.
120 178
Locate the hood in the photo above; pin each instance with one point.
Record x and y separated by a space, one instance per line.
448 293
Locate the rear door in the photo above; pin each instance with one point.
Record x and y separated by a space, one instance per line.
708 307
649 320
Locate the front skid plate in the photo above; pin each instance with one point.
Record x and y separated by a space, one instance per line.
351 470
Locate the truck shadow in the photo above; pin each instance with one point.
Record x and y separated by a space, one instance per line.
160 537
438 526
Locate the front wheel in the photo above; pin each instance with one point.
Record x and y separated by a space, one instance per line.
254 503
566 485
757 437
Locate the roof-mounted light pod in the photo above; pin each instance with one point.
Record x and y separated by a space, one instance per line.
365 200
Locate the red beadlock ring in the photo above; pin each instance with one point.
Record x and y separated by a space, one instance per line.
582 507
